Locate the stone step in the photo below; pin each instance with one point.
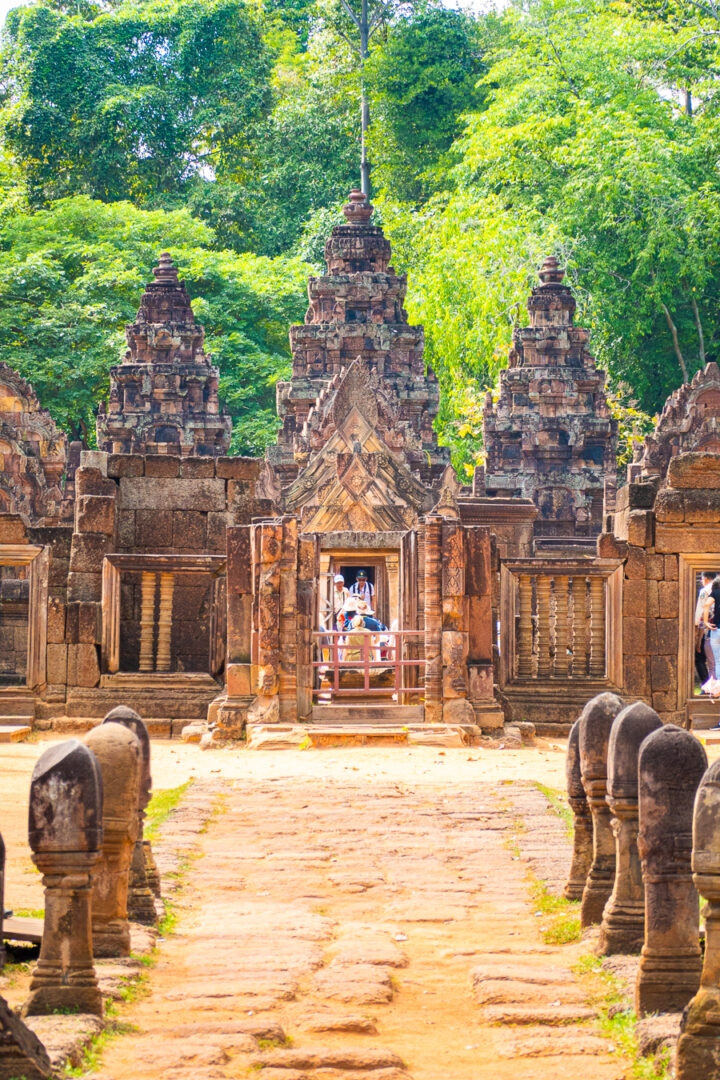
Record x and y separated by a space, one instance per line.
377 715
17 704
12 731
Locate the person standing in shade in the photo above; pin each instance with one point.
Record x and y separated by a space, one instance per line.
704 659
363 588
340 597
711 619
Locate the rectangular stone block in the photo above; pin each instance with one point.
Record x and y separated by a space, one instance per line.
90 481
189 530
84 586
670 505
125 465
241 500
126 530
55 621
153 529
83 667
663 673
609 547
238 468
239 680
480 682
702 506
671 567
12 530
666 636
155 492
635 565
94 459
663 702
84 622
162 465
635 598
88 552
56 661
668 599
217 525
653 603
634 636
640 528
656 567
690 539
197 467
635 675
96 514
58 573
694 470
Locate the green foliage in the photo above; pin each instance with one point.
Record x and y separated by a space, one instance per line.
71 277
422 80
161 806
137 102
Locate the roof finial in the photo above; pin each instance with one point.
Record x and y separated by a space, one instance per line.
359 210
551 273
166 271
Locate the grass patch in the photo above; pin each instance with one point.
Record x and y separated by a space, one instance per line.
93 1051
161 807
564 926
29 913
274 1044
617 1020
558 802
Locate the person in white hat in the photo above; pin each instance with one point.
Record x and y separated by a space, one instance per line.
339 600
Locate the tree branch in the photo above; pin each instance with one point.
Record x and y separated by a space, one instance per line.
351 13
698 323
562 67
676 342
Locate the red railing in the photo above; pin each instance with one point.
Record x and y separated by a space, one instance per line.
379 651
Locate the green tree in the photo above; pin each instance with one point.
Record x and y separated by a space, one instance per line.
137 103
71 277
422 80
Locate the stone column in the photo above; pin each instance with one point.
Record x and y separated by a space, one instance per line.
433 619
595 722
597 627
268 552
524 654
582 819
698 1049
141 904
65 833
455 637
578 586
544 664
561 665
147 621
233 706
164 642
118 753
623 924
671 766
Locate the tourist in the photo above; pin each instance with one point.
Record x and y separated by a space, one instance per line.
711 619
340 597
704 660
363 588
354 649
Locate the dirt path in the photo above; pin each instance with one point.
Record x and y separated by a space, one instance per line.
329 929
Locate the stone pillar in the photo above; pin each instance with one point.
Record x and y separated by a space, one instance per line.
266 652
479 579
671 766
597 627
141 905
65 833
561 666
582 818
118 753
524 664
165 611
288 615
234 704
623 924
147 621
595 722
544 664
455 638
433 619
698 1049
578 586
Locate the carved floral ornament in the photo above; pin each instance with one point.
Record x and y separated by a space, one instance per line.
690 421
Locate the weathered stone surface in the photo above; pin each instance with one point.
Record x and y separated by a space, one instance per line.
65 833
164 395
119 755
550 437
698 1049
623 922
151 492
595 723
140 905
22 1055
671 766
582 819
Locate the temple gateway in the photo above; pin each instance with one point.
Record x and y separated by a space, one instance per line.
348 579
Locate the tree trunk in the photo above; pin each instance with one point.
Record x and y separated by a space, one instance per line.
676 342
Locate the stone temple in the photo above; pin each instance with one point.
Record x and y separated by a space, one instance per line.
197 586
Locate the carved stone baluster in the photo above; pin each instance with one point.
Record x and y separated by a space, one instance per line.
544 664
578 586
596 721
147 621
597 627
582 854
561 666
167 588
525 634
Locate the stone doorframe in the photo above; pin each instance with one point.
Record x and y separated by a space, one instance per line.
688 568
114 564
37 559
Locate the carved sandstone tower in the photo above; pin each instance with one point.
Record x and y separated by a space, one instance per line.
356 312
550 437
164 395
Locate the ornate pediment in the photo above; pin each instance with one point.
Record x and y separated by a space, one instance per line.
690 421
